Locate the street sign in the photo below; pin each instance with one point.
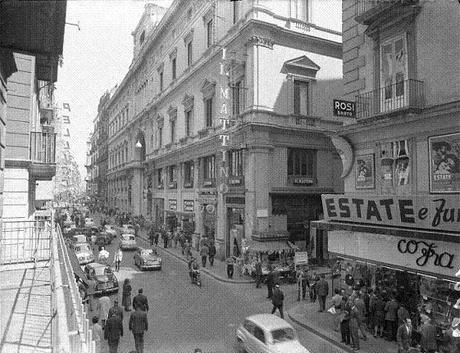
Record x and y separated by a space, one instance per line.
344 108
301 258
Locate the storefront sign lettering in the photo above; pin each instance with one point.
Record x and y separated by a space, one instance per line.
173 205
427 251
189 205
422 212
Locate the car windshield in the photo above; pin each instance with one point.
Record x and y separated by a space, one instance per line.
283 335
100 270
82 248
146 252
128 237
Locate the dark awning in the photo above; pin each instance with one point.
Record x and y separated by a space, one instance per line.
268 246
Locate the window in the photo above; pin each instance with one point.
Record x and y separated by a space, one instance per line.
173 68
209 167
161 81
209 33
189 53
160 137
208 111
237 97
236 163
172 173
301 97
259 334
160 177
300 9
301 163
142 37
188 174
188 122
173 130
236 11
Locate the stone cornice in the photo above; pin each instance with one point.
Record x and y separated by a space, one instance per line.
261 41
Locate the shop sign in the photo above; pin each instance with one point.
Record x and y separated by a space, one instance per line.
301 258
440 213
303 181
172 205
344 108
444 162
235 200
204 199
235 181
437 257
189 205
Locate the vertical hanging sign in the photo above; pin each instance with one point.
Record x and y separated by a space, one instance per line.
224 118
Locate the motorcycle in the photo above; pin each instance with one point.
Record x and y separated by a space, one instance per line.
196 277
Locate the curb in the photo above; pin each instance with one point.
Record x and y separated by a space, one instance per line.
206 271
319 334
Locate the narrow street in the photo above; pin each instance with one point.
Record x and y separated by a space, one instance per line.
183 317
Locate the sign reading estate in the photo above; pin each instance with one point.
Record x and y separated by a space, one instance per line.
441 213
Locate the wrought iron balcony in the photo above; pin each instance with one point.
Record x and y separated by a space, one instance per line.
408 95
43 155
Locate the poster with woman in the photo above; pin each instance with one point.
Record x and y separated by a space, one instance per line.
444 161
365 171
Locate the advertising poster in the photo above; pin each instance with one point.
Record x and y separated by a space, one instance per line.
365 171
444 160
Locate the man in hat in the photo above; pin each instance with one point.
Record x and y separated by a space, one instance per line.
141 301
404 335
277 300
428 335
138 324
322 288
112 332
117 310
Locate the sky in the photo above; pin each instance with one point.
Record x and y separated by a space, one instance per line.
96 58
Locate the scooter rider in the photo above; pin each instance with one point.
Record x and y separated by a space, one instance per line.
194 268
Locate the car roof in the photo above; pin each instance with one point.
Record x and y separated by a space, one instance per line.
129 235
268 322
96 265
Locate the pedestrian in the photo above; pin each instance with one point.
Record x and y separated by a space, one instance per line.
175 238
112 332
212 253
402 314
359 302
126 296
354 327
428 336
91 292
156 237
404 335
313 287
322 288
165 239
270 282
188 250
138 324
97 334
336 302
391 316
116 309
204 252
302 281
345 321
141 301
151 235
230 266
258 270
103 256
103 308
377 308
182 241
277 300
117 259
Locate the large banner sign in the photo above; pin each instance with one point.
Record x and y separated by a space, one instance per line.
434 212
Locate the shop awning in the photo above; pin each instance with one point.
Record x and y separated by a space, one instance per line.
273 245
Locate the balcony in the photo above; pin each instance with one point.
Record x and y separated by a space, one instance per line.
43 155
368 11
404 96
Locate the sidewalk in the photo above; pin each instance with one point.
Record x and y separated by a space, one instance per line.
306 315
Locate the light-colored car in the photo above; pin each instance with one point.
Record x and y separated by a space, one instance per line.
110 229
128 242
128 229
267 333
146 259
79 238
89 222
83 252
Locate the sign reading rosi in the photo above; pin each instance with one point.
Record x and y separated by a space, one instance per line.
433 212
344 108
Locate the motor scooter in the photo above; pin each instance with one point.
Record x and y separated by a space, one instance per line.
196 277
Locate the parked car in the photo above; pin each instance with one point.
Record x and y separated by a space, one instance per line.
267 333
79 238
128 242
106 281
103 239
83 252
128 229
110 229
146 259
89 222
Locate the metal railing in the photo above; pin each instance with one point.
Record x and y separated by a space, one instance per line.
365 5
408 94
43 147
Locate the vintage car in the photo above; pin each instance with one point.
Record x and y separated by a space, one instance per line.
79 238
146 259
106 281
110 229
103 239
83 252
128 229
128 242
267 333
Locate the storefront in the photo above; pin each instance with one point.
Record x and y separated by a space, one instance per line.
172 220
188 216
235 225
158 210
208 214
408 247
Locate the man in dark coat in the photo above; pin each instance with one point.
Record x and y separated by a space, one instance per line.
258 273
270 282
112 332
212 253
322 289
138 324
428 336
141 301
277 300
117 310
403 336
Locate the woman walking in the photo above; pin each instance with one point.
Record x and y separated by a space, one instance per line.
126 298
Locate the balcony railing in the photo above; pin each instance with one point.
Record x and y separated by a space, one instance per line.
403 95
368 9
43 147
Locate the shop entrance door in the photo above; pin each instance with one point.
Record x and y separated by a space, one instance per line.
235 231
319 246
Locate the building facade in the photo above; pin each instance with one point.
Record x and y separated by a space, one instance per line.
397 226
221 124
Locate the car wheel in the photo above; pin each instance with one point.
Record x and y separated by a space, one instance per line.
240 346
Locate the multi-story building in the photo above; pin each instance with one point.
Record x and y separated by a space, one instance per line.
221 123
397 227
29 59
102 147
